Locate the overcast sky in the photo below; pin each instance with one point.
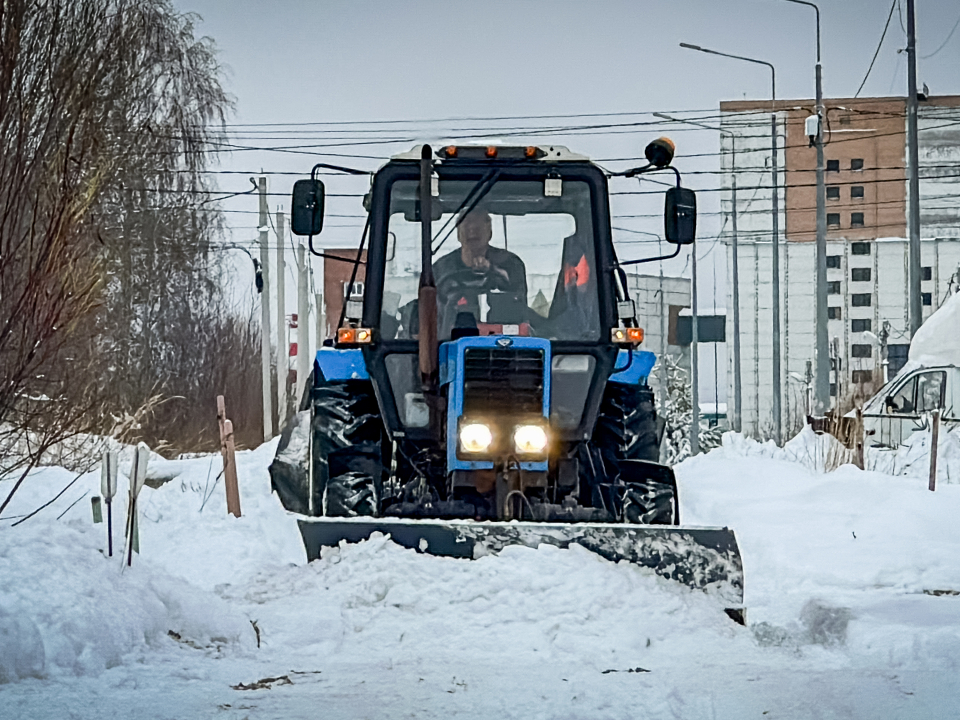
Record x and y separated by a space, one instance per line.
296 61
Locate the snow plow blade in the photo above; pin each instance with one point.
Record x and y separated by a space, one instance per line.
702 558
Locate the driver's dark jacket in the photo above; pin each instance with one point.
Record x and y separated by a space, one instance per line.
459 286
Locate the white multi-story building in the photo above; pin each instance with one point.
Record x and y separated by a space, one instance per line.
866 183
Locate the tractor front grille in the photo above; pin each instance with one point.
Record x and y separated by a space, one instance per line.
503 381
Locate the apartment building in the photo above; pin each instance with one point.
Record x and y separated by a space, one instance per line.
866 182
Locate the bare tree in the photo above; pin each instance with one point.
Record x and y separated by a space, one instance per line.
110 112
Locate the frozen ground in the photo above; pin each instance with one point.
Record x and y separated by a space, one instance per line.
837 570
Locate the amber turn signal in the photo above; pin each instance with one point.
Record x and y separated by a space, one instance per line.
627 336
354 336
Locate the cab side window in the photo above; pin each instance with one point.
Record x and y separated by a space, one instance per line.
929 391
903 402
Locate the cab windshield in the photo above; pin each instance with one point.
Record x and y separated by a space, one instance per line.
511 257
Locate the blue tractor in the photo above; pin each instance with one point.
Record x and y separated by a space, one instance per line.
492 388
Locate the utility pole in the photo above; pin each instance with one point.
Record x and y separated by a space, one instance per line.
694 372
303 321
265 314
822 353
283 349
913 168
775 246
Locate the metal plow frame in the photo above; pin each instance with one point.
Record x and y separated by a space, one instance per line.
702 558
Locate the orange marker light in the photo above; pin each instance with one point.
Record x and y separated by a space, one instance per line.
492 151
451 151
530 152
354 336
627 336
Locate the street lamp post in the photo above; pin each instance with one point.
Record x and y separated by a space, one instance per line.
775 244
736 425
822 377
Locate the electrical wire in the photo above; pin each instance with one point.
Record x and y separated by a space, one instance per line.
879 45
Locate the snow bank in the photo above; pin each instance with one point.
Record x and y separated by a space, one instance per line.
66 608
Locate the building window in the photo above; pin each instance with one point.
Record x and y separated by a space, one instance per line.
860 325
833 219
833 287
861 299
833 166
833 262
856 164
861 351
926 273
860 274
896 358
860 248
833 313
833 192
833 389
856 191
926 298
861 376
856 219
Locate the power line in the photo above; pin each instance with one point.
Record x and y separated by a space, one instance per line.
879 45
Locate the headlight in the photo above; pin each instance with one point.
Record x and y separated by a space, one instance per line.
475 438
530 439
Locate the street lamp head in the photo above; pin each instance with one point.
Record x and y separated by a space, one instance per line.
688 46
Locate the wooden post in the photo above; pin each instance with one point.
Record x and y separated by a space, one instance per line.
934 441
859 439
228 451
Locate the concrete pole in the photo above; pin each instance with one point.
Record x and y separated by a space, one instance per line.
321 318
822 341
265 314
822 382
694 370
735 270
913 170
303 322
283 349
775 245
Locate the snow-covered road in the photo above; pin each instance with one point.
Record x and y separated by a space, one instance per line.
838 567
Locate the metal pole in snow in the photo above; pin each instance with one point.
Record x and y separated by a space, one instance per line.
934 441
283 351
108 488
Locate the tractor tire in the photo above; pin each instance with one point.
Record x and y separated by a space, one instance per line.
342 422
348 449
626 429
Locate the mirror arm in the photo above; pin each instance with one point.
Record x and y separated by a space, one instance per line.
653 259
337 168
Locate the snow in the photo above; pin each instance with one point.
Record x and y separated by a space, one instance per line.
937 342
837 564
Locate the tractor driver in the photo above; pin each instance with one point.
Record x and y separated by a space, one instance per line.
486 281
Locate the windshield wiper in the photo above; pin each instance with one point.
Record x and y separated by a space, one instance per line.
483 186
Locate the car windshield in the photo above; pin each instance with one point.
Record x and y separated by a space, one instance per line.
511 257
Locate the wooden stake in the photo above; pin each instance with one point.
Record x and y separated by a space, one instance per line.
934 440
228 449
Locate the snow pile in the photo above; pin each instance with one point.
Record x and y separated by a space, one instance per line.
814 452
912 458
937 342
67 608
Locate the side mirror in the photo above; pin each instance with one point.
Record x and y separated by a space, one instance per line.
680 216
306 208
